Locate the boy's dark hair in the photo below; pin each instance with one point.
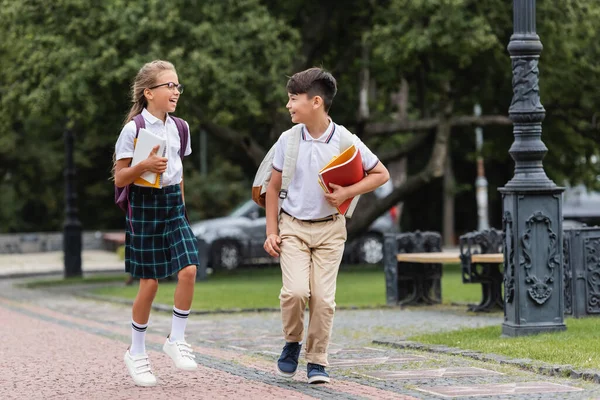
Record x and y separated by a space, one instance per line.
314 82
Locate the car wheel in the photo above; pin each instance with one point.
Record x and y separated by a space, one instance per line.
227 255
370 249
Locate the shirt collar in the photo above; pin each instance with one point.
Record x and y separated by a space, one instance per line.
151 118
325 137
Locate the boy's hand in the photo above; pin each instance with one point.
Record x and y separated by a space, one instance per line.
338 196
155 163
271 245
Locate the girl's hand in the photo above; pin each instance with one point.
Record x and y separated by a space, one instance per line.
155 163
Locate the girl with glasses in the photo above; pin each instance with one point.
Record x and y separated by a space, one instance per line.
159 240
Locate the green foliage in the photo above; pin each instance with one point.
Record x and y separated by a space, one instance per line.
569 78
217 193
462 44
74 60
444 37
70 63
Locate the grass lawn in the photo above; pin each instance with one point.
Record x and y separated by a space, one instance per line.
357 286
577 346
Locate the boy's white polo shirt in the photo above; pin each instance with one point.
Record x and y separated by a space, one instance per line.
124 147
306 198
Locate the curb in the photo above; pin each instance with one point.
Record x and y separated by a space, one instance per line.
20 275
169 309
540 367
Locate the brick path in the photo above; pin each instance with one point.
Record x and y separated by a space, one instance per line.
57 346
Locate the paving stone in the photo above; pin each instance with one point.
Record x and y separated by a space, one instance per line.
361 350
498 389
431 373
352 362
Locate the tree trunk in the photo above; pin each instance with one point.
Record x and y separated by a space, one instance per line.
448 195
398 174
434 169
363 94
390 128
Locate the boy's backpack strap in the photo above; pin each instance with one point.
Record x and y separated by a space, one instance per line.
347 139
184 133
289 163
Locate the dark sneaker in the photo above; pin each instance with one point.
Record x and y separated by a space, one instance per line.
316 373
287 365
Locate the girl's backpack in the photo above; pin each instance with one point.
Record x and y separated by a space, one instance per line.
122 194
263 175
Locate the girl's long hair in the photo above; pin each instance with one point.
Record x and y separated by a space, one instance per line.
145 78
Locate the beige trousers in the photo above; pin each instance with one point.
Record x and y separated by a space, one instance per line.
310 258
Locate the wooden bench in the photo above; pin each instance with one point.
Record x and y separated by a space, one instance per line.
415 277
474 247
491 291
448 258
413 282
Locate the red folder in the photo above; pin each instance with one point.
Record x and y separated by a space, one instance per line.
344 170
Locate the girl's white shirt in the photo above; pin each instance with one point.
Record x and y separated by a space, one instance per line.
124 147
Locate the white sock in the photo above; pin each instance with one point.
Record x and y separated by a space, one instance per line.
180 318
138 338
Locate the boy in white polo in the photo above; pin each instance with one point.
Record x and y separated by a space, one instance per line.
307 233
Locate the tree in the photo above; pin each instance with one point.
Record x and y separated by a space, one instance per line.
74 60
423 64
439 47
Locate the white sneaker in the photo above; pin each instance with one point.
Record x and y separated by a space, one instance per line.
139 369
181 353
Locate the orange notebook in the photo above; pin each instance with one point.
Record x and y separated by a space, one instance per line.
344 170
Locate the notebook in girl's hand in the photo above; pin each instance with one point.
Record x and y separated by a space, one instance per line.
144 144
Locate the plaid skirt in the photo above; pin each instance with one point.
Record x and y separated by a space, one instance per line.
158 239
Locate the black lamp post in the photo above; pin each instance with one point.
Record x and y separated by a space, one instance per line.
533 285
72 225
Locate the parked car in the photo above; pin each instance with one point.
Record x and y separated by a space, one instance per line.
237 239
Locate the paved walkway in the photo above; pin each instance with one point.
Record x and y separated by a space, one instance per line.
20 265
57 346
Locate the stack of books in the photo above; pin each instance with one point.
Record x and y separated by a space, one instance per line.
343 170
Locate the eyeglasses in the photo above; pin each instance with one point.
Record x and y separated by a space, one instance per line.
171 85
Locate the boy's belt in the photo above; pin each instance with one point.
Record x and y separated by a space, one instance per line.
324 219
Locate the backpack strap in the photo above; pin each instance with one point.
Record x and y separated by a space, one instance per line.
289 163
139 124
182 128
347 139
184 133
